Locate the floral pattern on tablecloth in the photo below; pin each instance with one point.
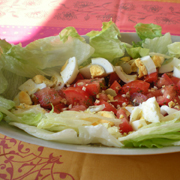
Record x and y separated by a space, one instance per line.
20 160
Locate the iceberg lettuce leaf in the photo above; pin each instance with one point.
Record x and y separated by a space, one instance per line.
69 119
87 134
3 82
158 44
4 46
107 42
11 83
70 31
148 30
154 135
174 49
44 56
136 52
51 51
5 103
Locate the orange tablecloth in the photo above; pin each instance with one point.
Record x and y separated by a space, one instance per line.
26 20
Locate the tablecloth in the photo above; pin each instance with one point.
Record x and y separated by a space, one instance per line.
27 20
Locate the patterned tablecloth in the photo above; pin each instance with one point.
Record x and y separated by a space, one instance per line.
27 20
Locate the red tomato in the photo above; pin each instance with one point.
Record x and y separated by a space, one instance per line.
120 99
138 98
77 96
125 127
175 80
108 106
78 77
168 95
178 87
61 93
164 80
115 86
136 86
59 107
102 96
154 93
92 86
113 77
48 96
78 108
153 77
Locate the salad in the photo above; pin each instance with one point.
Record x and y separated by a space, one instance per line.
95 89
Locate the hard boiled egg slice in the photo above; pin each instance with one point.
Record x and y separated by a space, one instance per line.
151 110
176 72
167 110
123 76
149 64
136 114
138 124
31 87
97 71
107 66
70 70
85 71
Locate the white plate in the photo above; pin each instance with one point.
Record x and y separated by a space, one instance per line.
21 135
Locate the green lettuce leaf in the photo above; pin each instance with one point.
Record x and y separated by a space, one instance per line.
106 42
68 119
155 135
148 30
87 134
11 83
68 127
152 143
44 56
136 52
51 52
3 82
69 31
4 46
174 49
1 116
158 44
30 115
5 103
31 119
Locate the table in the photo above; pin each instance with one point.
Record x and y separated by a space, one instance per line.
27 20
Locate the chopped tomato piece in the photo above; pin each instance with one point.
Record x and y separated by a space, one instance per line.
138 98
124 126
78 108
153 77
102 96
108 106
59 107
92 86
113 77
48 96
164 80
136 86
115 86
175 80
78 77
178 87
120 100
154 93
76 96
61 93
169 93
